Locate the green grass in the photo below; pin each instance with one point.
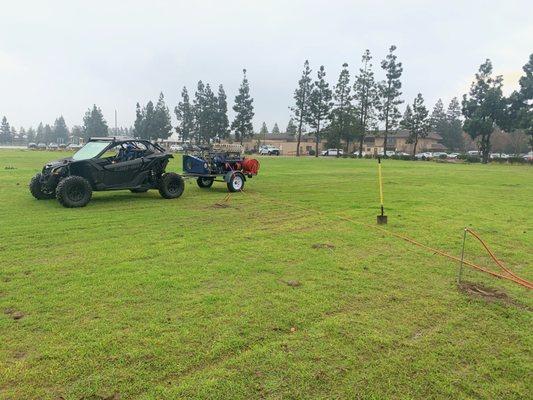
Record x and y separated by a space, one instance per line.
145 298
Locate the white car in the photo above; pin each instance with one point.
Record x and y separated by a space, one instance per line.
453 155
332 152
268 150
529 156
175 147
424 156
473 153
499 155
439 154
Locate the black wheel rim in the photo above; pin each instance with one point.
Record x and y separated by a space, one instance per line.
76 193
173 186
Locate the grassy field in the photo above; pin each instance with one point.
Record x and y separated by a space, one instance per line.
136 297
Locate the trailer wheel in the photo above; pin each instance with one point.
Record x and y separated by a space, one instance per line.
205 183
171 186
236 182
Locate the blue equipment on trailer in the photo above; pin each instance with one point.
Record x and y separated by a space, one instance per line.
220 163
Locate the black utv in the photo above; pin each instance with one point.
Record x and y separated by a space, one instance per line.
107 164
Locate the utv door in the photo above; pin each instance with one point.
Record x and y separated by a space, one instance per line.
122 174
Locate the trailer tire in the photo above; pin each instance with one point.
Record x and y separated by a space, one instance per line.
236 182
205 183
171 186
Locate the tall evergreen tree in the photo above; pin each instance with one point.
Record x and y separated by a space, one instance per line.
185 115
301 102
222 122
5 131
39 137
521 103
244 109
199 107
94 124
343 126
484 108
163 125
264 129
319 106
275 129
77 132
453 132
416 121
48 133
389 94
31 135
366 98
61 132
291 128
138 130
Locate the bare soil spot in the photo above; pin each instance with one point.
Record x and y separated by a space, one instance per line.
488 294
323 246
16 315
220 205
293 283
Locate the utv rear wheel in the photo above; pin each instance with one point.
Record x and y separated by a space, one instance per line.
74 191
37 189
236 182
171 186
205 182
138 190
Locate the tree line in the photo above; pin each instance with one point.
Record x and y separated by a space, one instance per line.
351 110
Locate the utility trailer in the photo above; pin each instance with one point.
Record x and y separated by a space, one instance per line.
220 163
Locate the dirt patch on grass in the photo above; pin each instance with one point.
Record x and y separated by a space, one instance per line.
329 246
220 205
16 315
293 283
489 294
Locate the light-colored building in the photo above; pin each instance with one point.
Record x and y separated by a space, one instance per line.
398 142
286 143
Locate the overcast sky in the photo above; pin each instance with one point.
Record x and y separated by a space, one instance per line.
60 57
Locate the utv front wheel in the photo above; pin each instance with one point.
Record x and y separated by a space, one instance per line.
37 189
205 182
171 186
74 191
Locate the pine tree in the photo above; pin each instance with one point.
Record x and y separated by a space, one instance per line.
77 132
264 129
319 106
343 125
366 97
301 98
163 125
244 109
61 132
31 135
389 94
484 108
138 130
48 134
5 131
94 124
453 133
291 128
210 115
185 115
275 129
39 137
222 122
416 121
521 103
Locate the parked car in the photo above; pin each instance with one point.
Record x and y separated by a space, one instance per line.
53 146
41 146
332 152
453 155
473 153
499 155
32 146
424 156
62 146
175 148
439 154
529 156
74 146
269 150
389 153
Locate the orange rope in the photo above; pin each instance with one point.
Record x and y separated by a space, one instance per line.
510 277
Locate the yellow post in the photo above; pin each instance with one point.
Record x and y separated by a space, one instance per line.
382 219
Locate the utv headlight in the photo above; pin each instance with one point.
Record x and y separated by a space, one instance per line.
58 170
